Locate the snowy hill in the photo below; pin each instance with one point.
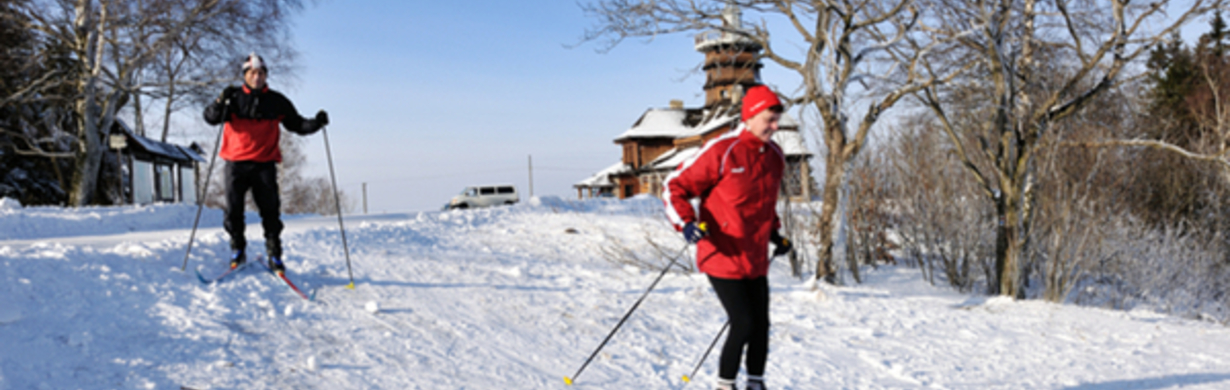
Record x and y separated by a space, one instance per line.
516 298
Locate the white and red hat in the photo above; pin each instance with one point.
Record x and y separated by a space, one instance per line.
254 61
757 99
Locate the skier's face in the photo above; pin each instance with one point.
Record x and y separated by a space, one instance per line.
764 124
255 78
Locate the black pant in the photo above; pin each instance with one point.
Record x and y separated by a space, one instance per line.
747 306
262 179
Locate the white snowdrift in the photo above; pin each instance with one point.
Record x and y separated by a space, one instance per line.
515 298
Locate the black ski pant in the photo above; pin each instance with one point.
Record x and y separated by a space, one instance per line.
747 306
262 179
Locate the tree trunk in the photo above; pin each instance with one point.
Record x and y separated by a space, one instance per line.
168 110
835 172
1009 244
89 157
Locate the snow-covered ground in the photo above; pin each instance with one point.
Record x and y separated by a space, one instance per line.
515 298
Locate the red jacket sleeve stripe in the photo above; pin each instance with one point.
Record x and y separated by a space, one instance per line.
695 175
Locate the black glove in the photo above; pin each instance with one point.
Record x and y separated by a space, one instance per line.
228 93
781 245
694 232
322 118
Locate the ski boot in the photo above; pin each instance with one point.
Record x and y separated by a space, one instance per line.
275 264
238 258
725 384
753 384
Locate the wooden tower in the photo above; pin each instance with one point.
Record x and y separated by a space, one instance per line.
732 61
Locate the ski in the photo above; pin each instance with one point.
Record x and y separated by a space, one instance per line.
282 276
219 278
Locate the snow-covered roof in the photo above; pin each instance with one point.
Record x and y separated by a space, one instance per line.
673 158
155 149
719 121
787 121
791 142
603 177
658 122
715 38
731 118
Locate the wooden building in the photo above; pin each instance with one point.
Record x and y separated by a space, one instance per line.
663 138
154 171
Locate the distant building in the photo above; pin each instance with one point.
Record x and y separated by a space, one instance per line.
663 138
153 171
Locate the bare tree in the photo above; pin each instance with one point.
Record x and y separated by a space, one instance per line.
107 44
941 223
32 67
869 211
846 58
302 194
190 71
32 149
1038 63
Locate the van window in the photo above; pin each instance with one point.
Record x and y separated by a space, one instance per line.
470 191
506 190
487 190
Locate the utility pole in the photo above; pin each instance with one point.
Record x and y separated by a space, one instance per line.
365 198
531 176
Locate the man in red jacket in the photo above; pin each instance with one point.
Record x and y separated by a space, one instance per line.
250 147
737 177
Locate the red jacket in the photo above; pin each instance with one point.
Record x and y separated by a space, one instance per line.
737 178
252 117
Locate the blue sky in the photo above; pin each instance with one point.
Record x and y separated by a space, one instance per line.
428 97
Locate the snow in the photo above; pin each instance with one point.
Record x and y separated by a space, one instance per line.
658 122
731 117
516 298
674 157
603 177
791 142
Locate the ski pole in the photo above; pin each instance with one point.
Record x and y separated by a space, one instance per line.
337 201
688 378
569 380
200 200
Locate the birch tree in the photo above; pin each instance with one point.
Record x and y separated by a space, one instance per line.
1039 62
107 43
190 72
845 66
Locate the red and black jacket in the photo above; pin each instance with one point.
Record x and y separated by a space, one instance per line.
252 118
737 178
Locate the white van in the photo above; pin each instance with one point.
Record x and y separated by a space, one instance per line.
484 196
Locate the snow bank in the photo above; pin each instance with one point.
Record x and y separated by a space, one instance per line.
17 223
516 298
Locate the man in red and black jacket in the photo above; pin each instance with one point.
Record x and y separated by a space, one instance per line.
250 147
737 178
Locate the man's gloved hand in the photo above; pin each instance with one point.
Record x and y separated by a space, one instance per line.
227 93
322 118
781 245
694 232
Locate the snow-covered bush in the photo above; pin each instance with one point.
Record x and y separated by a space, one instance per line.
941 223
1160 269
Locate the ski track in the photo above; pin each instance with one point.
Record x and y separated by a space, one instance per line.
507 298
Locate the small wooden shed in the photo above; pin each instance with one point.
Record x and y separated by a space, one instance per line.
155 171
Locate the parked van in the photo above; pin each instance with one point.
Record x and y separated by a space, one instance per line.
484 196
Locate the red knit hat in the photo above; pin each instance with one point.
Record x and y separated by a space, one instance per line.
758 99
